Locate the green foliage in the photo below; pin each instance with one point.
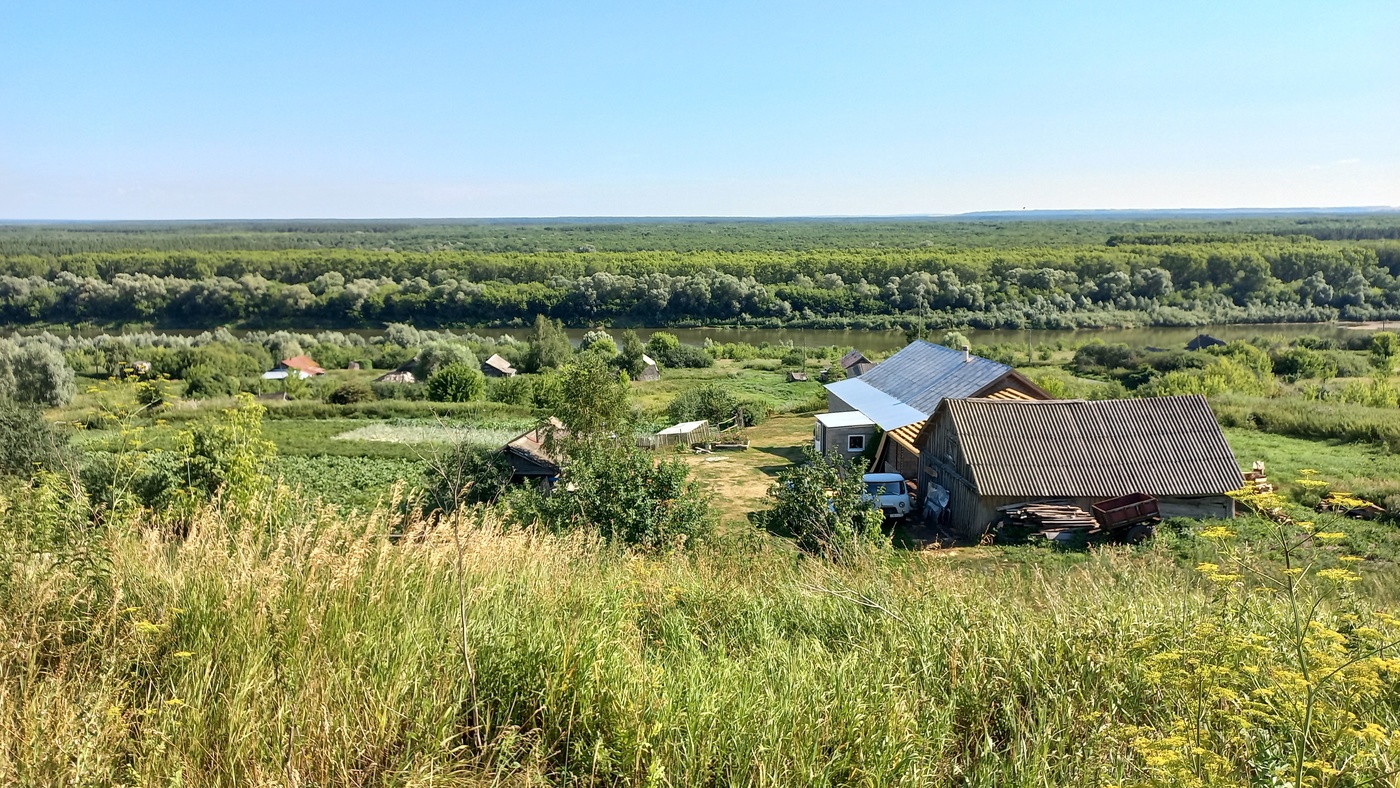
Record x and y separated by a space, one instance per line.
629 358
668 351
465 474
351 393
361 482
1317 420
457 382
598 341
1385 351
1302 363
819 503
1221 376
549 347
35 371
514 390
29 444
716 404
590 397
624 494
226 454
436 356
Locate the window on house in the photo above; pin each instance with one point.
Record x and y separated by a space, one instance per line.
855 443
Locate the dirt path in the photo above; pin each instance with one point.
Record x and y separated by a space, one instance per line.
739 480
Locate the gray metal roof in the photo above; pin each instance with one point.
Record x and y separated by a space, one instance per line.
1072 448
921 376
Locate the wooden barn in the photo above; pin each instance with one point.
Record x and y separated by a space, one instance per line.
983 454
497 367
650 371
856 364
898 395
530 457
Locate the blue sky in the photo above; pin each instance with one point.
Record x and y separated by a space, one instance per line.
118 110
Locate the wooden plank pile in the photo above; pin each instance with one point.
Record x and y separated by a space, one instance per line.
1048 516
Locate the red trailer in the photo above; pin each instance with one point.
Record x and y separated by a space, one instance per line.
1135 512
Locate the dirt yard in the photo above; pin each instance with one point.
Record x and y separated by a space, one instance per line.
739 480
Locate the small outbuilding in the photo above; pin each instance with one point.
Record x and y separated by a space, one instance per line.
404 374
979 455
1203 341
650 371
302 366
855 364
530 457
687 433
845 434
497 367
797 377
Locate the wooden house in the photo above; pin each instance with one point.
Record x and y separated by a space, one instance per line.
1203 341
404 374
898 395
497 367
530 457
979 455
855 364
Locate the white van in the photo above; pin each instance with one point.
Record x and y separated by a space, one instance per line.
888 491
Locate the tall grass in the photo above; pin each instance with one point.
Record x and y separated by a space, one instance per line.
1300 418
285 644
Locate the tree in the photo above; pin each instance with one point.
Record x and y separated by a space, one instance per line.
29 443
456 383
35 372
625 494
350 393
1385 351
550 347
598 341
227 454
820 503
437 355
592 399
629 359
955 340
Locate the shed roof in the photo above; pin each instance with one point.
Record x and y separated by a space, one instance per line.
684 428
844 418
531 446
648 360
1073 448
908 386
853 357
500 364
303 364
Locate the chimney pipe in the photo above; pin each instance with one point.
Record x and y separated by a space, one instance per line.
967 353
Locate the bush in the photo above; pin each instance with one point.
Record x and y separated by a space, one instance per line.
203 382
436 356
404 391
819 503
715 404
1300 363
625 494
516 390
28 442
1096 356
350 393
456 383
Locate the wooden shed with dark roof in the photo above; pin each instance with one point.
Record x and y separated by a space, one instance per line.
986 454
530 456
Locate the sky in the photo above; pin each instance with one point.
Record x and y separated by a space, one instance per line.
478 108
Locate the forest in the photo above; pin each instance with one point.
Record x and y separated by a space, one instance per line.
864 274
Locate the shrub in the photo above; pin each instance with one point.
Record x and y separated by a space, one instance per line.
203 381
1300 363
819 503
625 494
350 393
438 355
1096 356
715 404
456 382
404 391
28 442
516 390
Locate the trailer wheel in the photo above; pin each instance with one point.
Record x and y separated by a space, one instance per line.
1140 533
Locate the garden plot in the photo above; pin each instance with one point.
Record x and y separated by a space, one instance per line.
429 433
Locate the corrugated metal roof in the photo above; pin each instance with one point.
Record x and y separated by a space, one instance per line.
1074 448
907 436
922 375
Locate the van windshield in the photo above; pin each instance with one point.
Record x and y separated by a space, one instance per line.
877 489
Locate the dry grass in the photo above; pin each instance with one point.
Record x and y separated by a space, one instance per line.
739 480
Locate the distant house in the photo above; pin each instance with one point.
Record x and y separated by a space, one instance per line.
497 367
404 374
908 386
530 457
856 364
302 366
650 371
1203 341
979 455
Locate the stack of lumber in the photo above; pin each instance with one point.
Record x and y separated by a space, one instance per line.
1048 516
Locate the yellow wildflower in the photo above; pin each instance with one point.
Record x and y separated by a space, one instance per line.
1330 536
1217 532
1338 575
